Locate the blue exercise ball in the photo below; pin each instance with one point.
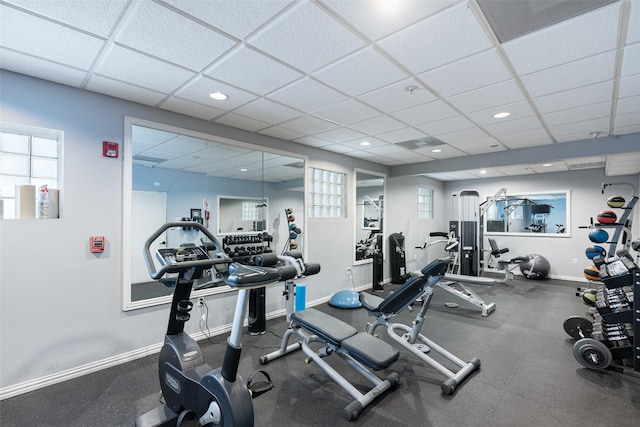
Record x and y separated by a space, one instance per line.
598 236
595 251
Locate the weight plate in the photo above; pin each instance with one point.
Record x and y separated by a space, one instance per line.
578 327
592 354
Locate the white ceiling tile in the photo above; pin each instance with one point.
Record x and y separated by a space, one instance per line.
447 152
313 141
506 92
199 88
338 148
450 124
241 122
515 141
629 86
376 125
624 130
294 35
348 112
481 69
401 135
396 96
353 74
340 135
511 126
123 90
583 72
424 113
481 146
267 111
381 18
308 125
26 33
579 37
583 128
240 67
518 110
633 33
487 173
460 136
238 18
189 108
187 44
307 95
438 40
587 112
137 69
390 151
282 133
93 16
629 105
599 92
373 143
40 68
627 119
630 60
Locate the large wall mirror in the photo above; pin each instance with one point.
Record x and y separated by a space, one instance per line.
532 214
234 189
369 214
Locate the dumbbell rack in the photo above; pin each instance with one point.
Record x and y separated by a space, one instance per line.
292 242
612 337
617 318
242 247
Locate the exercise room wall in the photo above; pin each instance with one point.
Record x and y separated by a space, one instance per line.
586 202
59 300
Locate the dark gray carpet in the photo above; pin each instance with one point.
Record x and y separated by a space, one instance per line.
528 375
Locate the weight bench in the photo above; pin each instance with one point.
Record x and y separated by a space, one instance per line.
410 337
506 265
322 335
451 283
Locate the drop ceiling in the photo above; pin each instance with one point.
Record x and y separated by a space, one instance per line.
330 74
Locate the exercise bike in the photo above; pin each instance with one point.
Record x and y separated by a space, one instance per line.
191 388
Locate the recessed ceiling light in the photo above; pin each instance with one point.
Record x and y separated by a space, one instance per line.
365 143
483 171
437 150
546 165
501 115
218 96
243 170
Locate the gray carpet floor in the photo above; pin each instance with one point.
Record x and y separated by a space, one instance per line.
528 377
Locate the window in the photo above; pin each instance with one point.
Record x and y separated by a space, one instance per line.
425 203
326 194
28 156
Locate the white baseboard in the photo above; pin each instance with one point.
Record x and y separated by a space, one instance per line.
68 374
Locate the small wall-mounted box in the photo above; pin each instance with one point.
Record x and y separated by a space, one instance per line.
96 244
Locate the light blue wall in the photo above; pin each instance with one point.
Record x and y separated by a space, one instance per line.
61 306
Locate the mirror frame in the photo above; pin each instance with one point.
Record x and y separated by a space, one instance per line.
567 225
357 225
127 191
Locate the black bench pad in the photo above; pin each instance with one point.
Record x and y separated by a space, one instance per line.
370 351
328 328
363 347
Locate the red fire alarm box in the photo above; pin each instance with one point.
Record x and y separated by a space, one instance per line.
96 244
110 149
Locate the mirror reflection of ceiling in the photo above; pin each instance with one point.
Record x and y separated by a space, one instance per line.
331 74
157 148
